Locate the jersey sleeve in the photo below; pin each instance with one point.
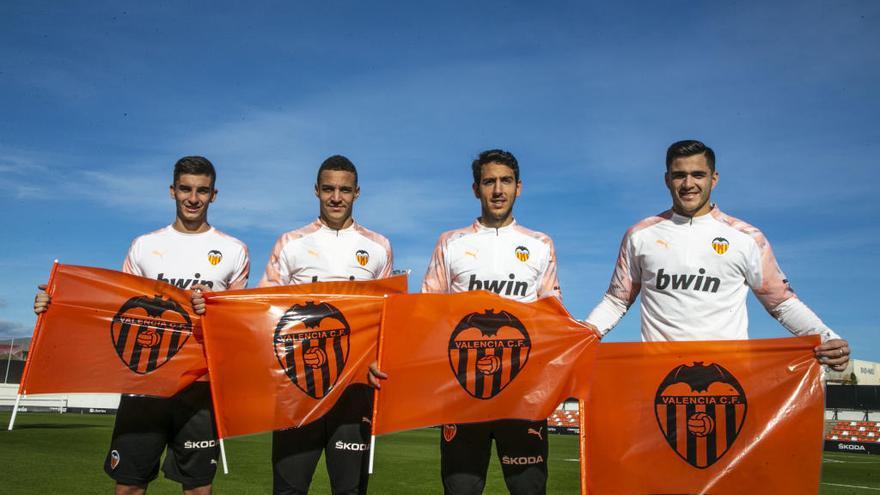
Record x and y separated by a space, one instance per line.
437 277
130 265
548 285
622 290
388 268
239 278
277 269
764 275
771 287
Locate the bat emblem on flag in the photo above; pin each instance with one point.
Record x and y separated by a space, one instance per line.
311 344
700 410
147 332
487 351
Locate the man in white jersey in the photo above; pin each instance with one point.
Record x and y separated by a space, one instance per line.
495 254
694 265
333 247
190 254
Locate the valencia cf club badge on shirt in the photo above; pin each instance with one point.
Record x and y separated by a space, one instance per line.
522 253
700 410
720 245
449 432
362 256
214 257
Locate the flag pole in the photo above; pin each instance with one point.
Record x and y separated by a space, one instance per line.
223 457
34 342
582 446
376 391
214 392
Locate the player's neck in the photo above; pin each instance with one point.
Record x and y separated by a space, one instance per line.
196 227
344 224
495 223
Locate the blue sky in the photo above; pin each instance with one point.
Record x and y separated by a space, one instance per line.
99 99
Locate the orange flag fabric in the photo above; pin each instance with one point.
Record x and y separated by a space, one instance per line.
280 357
110 332
705 417
474 357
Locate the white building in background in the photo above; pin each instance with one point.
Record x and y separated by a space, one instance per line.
863 372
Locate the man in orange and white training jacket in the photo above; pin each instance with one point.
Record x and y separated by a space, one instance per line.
694 264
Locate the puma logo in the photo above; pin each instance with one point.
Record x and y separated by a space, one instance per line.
537 432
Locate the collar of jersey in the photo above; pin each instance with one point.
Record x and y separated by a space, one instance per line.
713 215
482 228
172 229
321 225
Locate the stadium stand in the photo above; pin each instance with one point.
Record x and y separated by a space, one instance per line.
853 431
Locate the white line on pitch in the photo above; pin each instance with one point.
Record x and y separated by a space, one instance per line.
852 486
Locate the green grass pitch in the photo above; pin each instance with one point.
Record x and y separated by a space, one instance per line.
64 453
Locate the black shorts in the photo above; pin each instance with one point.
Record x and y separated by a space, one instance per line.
145 425
343 433
522 449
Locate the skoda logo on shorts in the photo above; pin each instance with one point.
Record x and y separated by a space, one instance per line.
487 351
311 344
147 332
700 410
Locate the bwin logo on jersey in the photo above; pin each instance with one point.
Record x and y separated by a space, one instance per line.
147 332
720 245
487 351
699 283
214 257
185 283
501 287
362 256
522 253
311 345
711 406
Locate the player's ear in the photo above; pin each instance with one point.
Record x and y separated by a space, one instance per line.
714 179
316 191
357 191
518 188
476 189
171 191
213 195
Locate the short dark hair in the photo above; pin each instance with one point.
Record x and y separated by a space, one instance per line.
337 162
494 156
194 165
689 147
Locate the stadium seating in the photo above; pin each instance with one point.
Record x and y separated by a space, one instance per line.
567 419
853 431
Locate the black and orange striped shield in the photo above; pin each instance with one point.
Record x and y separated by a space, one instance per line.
311 344
487 350
700 410
148 331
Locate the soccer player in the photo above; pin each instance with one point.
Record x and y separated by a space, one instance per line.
190 254
492 253
694 265
333 247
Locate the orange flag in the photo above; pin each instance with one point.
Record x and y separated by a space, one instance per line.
110 332
474 357
280 357
728 417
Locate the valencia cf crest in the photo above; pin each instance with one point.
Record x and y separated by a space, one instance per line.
486 352
522 253
449 432
720 245
147 332
701 410
114 459
214 257
311 344
362 256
